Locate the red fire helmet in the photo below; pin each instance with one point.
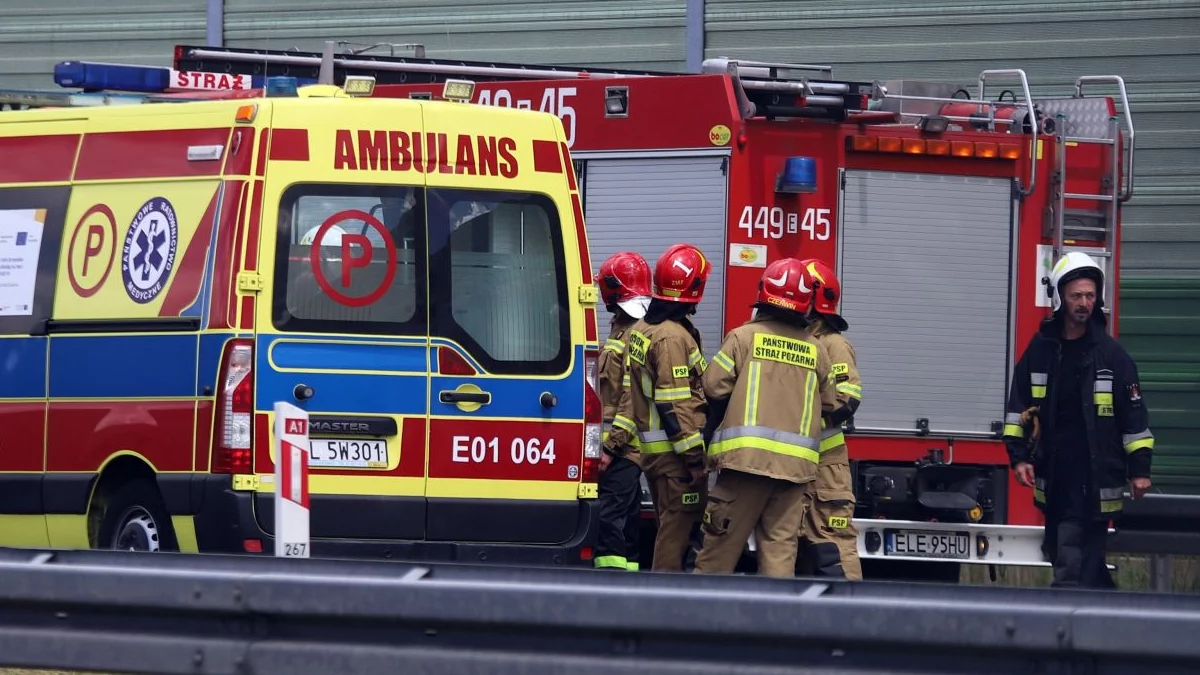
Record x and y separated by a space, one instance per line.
680 274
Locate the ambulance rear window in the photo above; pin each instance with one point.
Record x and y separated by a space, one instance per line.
499 274
366 272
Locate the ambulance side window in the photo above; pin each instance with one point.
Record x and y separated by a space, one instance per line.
499 283
365 274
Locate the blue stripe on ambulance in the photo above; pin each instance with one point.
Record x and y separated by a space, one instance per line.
397 386
123 366
23 367
516 396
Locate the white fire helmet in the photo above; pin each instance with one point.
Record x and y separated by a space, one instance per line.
1071 266
332 236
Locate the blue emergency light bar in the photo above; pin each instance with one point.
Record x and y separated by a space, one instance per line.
90 76
99 76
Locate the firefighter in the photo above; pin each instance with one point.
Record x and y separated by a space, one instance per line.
666 403
624 281
828 530
1076 428
766 391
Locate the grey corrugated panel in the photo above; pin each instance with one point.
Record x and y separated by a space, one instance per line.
927 301
35 35
1155 46
615 33
645 205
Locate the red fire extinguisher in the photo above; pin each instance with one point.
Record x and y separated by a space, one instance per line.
1017 117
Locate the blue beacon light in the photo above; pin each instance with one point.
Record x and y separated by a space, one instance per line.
281 86
799 175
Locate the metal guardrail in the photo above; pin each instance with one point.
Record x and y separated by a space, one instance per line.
244 615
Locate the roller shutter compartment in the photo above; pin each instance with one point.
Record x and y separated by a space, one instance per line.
925 268
649 203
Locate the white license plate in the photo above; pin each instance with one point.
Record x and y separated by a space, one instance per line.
355 453
927 544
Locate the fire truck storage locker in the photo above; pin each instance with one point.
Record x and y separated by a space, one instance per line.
645 203
925 263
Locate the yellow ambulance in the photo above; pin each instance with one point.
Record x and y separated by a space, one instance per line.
412 273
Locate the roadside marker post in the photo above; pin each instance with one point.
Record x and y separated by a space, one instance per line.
291 481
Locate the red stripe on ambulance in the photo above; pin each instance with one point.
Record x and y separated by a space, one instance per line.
547 157
49 159
240 158
289 145
505 450
227 234
82 435
148 154
185 289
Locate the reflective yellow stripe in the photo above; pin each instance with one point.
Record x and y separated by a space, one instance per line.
672 394
625 381
1039 496
688 442
612 561
759 443
723 360
623 422
752 382
1139 444
696 360
853 390
1014 431
614 346
1136 441
810 389
1110 505
830 442
655 447
1101 398
631 566
1038 391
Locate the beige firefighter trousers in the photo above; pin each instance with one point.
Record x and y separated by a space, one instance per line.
678 506
740 503
829 524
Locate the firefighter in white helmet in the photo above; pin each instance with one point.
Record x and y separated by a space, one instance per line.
1076 427
624 281
766 389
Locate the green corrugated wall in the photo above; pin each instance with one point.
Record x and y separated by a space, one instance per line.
616 33
36 34
1155 46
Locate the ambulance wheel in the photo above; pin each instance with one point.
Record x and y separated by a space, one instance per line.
136 519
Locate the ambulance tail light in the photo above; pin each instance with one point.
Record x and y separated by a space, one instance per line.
593 419
234 432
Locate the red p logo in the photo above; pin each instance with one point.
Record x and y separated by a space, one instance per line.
349 260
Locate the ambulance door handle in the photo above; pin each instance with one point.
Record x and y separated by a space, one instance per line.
465 397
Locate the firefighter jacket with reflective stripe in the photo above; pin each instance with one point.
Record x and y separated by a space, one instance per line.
777 380
612 380
664 399
1118 434
847 386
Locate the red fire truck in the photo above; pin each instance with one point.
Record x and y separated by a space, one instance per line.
942 206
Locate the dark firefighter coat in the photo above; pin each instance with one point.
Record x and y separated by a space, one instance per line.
1119 440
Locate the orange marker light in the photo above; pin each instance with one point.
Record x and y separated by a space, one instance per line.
1010 151
889 144
247 113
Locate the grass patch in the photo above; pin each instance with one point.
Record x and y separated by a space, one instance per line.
1133 573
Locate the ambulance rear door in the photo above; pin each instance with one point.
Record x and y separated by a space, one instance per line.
506 399
342 326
